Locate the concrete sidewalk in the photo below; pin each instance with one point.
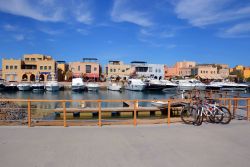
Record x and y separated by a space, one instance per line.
111 146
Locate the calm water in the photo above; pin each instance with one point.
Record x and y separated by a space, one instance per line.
102 94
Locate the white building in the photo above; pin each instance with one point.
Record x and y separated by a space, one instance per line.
143 70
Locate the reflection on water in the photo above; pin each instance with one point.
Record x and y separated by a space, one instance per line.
102 94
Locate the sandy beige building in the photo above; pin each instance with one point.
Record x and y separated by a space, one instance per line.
118 68
89 68
206 72
182 69
32 67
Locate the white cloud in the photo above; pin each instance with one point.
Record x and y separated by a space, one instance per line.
19 37
9 27
49 10
82 31
237 31
123 12
206 12
50 31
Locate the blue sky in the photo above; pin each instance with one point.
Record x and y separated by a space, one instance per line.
156 31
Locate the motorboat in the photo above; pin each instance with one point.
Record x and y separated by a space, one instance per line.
189 84
184 84
91 86
77 84
24 86
198 84
52 86
227 86
38 87
11 86
114 87
169 86
160 104
135 84
154 84
2 85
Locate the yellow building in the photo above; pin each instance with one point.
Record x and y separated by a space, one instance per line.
62 68
246 72
33 67
118 68
239 67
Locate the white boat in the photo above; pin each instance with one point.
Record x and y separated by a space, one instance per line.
135 84
38 87
169 86
154 84
184 84
92 86
77 84
198 84
189 84
2 85
24 86
52 86
228 86
114 87
160 104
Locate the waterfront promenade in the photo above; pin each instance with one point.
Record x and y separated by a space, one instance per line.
179 145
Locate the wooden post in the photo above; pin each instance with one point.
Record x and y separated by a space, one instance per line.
234 108
64 114
169 110
29 114
99 113
248 109
135 112
229 105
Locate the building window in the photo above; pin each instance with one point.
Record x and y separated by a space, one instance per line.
33 59
88 68
11 67
15 67
150 69
127 69
79 68
7 67
45 67
159 70
114 70
49 67
123 70
95 69
206 71
27 59
39 58
41 67
155 70
111 70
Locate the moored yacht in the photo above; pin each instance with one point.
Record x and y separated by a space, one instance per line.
228 86
24 86
184 84
91 86
114 87
198 84
52 86
168 85
2 85
135 84
154 84
38 87
77 84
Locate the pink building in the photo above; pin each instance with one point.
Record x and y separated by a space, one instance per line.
89 68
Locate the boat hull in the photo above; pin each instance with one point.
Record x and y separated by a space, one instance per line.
77 88
52 88
135 87
114 88
24 88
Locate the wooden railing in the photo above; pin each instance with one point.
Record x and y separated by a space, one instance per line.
231 103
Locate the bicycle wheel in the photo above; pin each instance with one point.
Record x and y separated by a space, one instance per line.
188 115
226 115
199 117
